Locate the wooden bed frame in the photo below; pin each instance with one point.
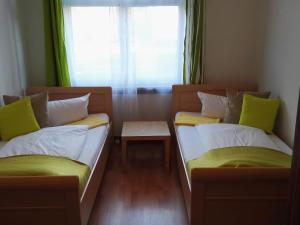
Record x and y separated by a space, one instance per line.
227 196
55 200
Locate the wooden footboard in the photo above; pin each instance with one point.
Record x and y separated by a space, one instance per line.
246 196
39 200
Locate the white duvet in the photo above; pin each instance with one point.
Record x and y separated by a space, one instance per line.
64 141
213 136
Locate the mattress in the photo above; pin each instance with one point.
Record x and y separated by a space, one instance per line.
190 142
95 139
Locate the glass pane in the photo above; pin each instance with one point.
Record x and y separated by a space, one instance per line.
95 41
154 44
118 46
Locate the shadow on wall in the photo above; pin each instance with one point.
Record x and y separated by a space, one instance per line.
234 40
281 72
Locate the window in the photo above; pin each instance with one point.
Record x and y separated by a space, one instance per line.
125 43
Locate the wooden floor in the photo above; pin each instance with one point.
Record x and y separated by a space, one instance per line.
141 194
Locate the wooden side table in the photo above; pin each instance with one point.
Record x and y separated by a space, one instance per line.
146 131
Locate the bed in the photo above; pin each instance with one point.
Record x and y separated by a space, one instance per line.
215 196
37 200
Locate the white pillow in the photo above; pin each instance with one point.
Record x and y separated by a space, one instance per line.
213 105
69 110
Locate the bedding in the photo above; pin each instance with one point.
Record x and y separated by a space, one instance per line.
260 113
17 119
43 165
191 120
81 166
242 156
214 136
192 145
178 114
39 103
92 121
213 106
189 141
94 139
226 145
64 141
235 102
2 143
68 110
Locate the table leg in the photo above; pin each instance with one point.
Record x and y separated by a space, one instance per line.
124 152
167 154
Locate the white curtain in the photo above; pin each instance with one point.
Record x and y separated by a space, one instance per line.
126 44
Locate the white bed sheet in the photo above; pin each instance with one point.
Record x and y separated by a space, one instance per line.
190 142
2 143
95 138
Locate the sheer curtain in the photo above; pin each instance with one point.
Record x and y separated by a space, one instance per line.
126 44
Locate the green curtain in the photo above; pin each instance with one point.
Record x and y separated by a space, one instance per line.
57 70
193 43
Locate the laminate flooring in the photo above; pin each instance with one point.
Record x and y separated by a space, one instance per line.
143 193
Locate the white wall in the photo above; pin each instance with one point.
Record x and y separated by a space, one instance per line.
235 31
30 13
281 73
11 65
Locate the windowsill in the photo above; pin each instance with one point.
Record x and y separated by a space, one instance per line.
165 90
159 90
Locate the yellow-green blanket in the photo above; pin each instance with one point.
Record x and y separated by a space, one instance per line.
240 157
42 165
191 120
92 121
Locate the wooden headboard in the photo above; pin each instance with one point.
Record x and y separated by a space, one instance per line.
100 99
184 97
